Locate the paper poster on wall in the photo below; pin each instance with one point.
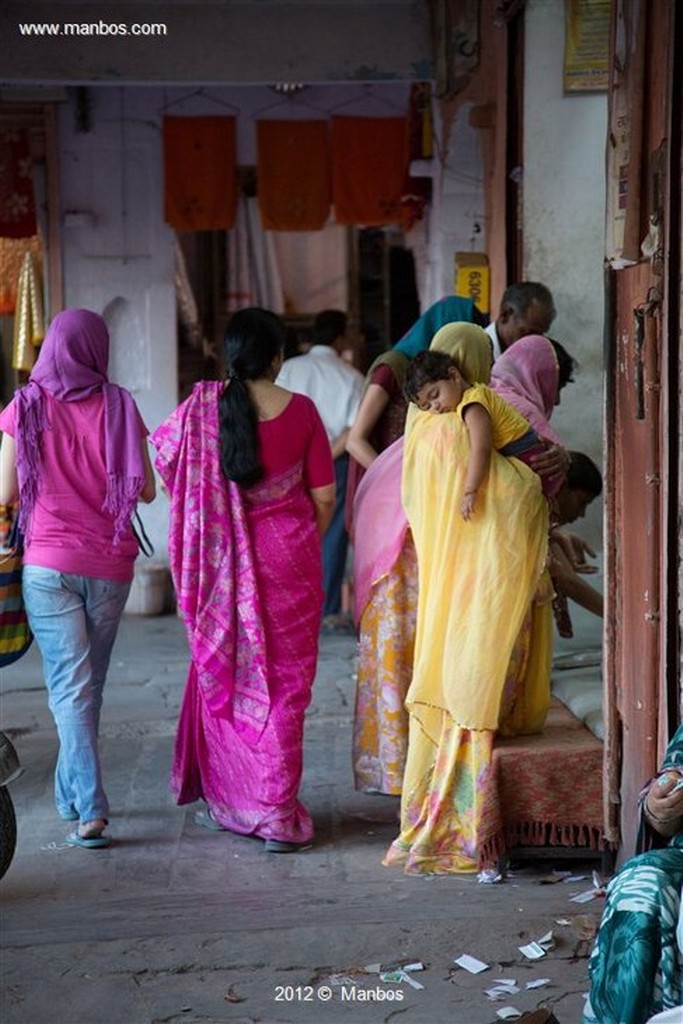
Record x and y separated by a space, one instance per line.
624 138
586 45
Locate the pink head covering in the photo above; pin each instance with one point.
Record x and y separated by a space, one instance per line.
527 376
72 365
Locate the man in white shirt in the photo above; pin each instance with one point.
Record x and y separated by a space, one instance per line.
335 387
526 308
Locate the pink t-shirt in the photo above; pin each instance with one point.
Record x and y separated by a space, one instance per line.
70 533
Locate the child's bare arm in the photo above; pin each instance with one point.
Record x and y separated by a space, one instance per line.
478 423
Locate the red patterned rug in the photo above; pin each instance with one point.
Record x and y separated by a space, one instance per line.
548 788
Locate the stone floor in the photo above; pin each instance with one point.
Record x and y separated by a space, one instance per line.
176 924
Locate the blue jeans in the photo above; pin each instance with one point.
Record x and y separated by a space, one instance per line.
336 543
74 620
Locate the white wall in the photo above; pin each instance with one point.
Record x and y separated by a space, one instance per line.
564 213
117 250
457 219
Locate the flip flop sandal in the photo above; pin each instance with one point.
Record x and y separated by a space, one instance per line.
96 841
281 846
205 819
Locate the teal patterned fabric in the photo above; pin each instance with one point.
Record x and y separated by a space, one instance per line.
636 967
452 309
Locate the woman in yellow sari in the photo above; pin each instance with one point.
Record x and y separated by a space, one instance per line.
385 575
483 642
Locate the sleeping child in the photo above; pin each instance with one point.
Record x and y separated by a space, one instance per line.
434 384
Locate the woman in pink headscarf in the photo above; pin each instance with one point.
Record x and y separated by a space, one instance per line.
75 456
530 376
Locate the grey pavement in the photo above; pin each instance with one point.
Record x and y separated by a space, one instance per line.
176 924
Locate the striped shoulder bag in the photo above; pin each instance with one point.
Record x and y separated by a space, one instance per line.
15 635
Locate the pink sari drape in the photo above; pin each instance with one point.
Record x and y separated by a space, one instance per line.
247 569
380 524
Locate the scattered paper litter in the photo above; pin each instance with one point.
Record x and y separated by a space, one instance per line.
537 949
575 878
391 976
471 964
417 966
590 894
373 968
400 975
341 979
564 921
502 990
538 983
532 951
598 884
508 1013
489 876
584 897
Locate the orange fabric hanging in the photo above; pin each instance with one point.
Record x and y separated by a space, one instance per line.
199 171
369 164
294 190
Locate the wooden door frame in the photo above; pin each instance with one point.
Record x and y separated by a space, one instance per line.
643 460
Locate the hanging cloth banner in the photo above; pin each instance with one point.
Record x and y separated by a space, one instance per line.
294 190
29 320
369 164
199 173
12 252
17 206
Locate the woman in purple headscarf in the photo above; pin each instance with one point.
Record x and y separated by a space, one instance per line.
75 457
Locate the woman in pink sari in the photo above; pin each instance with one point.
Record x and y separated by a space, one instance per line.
249 472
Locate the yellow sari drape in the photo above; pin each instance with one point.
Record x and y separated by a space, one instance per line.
477 578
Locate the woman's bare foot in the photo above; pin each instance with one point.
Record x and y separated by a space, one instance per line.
90 829
90 835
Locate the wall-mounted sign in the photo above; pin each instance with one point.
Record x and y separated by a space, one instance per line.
586 45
